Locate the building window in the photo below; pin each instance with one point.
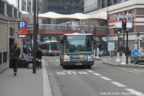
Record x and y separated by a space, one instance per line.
0 58
115 1
4 57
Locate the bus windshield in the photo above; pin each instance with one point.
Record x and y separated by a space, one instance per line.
54 45
78 43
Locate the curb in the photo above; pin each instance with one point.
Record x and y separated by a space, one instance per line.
127 66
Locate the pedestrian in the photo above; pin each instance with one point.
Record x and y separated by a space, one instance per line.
39 57
15 57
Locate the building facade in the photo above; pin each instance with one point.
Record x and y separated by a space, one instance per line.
131 8
64 6
9 15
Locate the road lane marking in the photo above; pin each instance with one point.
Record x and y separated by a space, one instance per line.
61 73
106 78
82 72
135 92
129 71
118 84
97 74
71 73
90 71
46 83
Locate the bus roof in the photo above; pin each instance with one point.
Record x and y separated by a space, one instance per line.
79 34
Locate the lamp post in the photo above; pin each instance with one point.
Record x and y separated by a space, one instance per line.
35 36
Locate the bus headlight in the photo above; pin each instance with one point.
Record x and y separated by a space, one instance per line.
90 58
66 58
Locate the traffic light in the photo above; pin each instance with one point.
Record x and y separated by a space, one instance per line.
124 24
138 35
118 32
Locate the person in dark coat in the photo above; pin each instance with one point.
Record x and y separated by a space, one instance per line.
39 57
15 58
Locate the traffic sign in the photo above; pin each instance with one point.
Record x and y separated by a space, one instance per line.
107 38
111 46
22 27
135 52
142 38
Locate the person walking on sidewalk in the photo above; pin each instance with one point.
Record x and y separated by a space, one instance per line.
15 58
39 57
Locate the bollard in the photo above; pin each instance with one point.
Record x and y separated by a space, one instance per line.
97 53
123 59
118 57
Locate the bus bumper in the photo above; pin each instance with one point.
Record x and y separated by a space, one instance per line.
86 63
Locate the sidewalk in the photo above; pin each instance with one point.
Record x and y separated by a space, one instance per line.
112 61
24 84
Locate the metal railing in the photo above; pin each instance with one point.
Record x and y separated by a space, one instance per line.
96 30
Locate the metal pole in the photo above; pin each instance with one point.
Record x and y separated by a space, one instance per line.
118 43
137 43
37 10
37 21
123 37
126 47
35 36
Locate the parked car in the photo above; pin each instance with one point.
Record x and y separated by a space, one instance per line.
104 53
25 61
138 59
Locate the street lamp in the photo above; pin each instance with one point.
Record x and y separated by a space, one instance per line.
35 36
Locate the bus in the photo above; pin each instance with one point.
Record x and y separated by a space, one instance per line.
77 49
50 48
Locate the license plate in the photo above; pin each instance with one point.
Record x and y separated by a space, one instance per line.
78 63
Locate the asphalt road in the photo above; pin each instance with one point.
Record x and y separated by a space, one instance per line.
101 80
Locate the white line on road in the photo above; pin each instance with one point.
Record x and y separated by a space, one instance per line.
105 78
129 71
46 84
118 84
97 74
70 72
135 92
60 73
82 72
90 71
